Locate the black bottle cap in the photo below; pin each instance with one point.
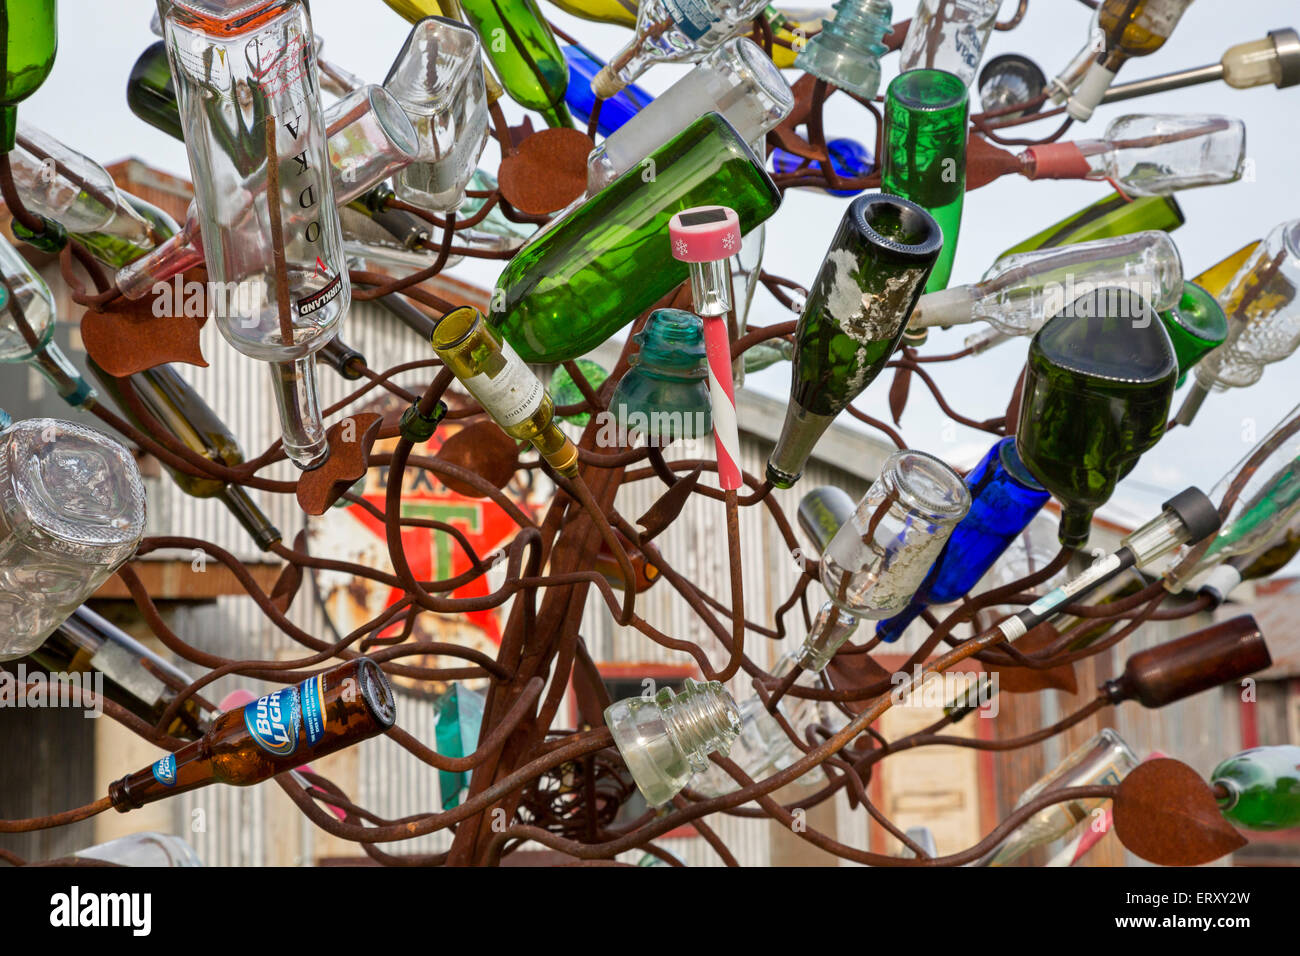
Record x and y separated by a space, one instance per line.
897 226
1196 511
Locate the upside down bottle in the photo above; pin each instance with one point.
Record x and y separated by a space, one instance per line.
1098 384
246 81
275 733
857 309
1260 788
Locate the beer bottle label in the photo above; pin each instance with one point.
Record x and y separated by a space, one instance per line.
311 695
164 771
273 721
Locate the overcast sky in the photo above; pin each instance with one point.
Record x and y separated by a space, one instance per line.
83 103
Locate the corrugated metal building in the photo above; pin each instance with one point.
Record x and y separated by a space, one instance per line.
962 793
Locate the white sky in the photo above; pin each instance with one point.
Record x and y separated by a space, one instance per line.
83 103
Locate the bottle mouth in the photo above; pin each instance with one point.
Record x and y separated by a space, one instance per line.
377 693
928 91
455 327
1014 466
897 224
745 55
925 484
1199 315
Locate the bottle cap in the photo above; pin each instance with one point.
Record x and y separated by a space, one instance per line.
1094 86
945 307
1056 161
705 234
1287 44
1217 582
1196 511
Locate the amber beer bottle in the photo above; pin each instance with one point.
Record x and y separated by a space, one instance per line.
275 733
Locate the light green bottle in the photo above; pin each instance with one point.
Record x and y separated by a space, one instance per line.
1260 788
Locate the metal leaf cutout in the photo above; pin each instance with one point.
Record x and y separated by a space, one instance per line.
349 441
484 449
663 512
1165 813
129 336
547 172
1027 680
290 579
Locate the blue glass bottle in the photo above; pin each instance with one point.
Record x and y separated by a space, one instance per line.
1004 499
614 112
849 158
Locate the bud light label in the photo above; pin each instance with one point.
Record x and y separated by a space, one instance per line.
311 693
273 721
164 771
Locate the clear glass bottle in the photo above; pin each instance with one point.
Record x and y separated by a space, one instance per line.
76 192
830 629
737 81
878 262
507 389
1129 28
949 35
1020 292
1106 759
674 31
666 739
614 113
246 82
436 78
1009 79
877 559
1262 303
1149 154
72 510
413 11
664 394
847 50
143 849
1067 81
27 321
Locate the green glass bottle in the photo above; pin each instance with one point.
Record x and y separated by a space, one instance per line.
1259 789
190 420
856 312
151 94
1196 326
524 53
29 38
585 276
925 153
1098 384
1106 218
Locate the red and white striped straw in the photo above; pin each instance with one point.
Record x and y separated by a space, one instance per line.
700 235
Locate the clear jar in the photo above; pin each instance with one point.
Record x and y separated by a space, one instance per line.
439 83
72 510
878 559
666 739
949 35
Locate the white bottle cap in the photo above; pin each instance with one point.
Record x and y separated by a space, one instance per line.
1218 581
946 307
1094 86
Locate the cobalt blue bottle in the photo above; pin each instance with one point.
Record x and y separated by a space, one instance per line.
1004 499
849 158
583 67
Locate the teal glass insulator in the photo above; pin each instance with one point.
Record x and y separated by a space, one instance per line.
665 393
847 51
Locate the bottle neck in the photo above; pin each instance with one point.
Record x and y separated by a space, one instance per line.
187 769
250 516
702 719
799 436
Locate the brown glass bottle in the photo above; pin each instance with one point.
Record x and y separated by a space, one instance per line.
1214 655
275 733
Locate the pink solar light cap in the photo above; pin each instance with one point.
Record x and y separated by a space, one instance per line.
705 234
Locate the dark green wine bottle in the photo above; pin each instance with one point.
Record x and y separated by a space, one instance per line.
151 94
1105 219
190 420
856 312
1098 384
585 276
29 38
924 157
1260 788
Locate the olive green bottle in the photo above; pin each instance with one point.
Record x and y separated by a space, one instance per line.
1105 219
506 388
1098 384
190 420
